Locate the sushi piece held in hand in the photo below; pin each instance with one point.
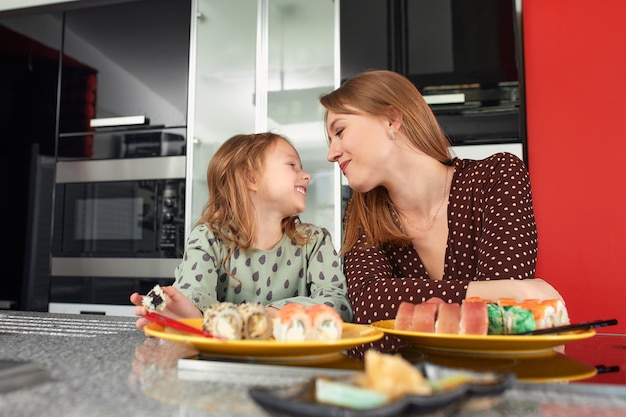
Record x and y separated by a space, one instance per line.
156 300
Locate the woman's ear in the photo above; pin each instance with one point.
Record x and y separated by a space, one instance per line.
394 118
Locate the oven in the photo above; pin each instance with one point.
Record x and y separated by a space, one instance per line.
118 227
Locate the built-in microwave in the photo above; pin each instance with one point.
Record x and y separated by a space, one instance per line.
118 228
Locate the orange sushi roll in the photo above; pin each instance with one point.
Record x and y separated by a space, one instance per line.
562 317
291 324
507 302
544 315
326 323
477 299
529 303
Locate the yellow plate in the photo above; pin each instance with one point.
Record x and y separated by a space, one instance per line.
549 367
352 335
491 344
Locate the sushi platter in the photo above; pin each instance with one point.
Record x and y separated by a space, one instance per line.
512 345
352 335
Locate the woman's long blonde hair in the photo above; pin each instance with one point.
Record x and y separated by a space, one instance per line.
229 213
385 93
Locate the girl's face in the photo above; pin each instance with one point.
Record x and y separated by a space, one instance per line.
359 144
283 182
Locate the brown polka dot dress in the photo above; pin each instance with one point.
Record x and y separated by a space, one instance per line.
491 235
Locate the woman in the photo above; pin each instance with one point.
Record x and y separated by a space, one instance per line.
420 223
249 245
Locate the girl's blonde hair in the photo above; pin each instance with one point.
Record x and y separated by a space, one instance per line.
385 93
229 213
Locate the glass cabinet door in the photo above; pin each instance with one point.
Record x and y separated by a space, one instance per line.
259 66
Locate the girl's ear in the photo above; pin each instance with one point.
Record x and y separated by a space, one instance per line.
251 182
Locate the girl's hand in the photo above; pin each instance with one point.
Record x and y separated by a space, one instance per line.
178 307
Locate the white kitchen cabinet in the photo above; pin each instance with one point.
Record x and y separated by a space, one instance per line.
259 66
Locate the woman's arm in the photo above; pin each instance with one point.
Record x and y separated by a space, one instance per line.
513 288
507 246
376 291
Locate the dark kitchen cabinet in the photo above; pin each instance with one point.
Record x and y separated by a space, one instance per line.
119 61
29 69
61 66
462 55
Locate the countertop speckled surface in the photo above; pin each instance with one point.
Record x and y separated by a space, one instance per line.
104 366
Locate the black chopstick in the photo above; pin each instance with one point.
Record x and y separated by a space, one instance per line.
569 327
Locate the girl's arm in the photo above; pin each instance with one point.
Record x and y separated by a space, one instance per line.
197 274
325 278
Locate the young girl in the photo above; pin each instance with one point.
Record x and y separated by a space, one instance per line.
249 244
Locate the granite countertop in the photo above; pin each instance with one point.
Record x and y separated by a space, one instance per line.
104 366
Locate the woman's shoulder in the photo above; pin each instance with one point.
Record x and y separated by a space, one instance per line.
487 167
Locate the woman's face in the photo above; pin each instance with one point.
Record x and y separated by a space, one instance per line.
359 144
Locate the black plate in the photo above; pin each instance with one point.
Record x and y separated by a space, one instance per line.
299 400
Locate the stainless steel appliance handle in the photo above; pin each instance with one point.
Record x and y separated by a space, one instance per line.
129 169
114 267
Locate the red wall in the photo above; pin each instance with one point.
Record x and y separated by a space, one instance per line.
575 64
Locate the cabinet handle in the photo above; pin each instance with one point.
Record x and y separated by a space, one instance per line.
119 121
445 98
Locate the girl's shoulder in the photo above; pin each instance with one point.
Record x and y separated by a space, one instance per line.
313 233
201 232
311 230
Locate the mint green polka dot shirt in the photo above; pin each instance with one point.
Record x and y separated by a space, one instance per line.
304 274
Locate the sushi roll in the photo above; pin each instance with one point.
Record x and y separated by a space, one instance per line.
474 319
155 300
292 324
518 320
495 315
326 323
257 324
562 317
507 302
448 318
424 316
404 316
223 320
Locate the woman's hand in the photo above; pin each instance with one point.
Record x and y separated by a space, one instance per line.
520 289
178 307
